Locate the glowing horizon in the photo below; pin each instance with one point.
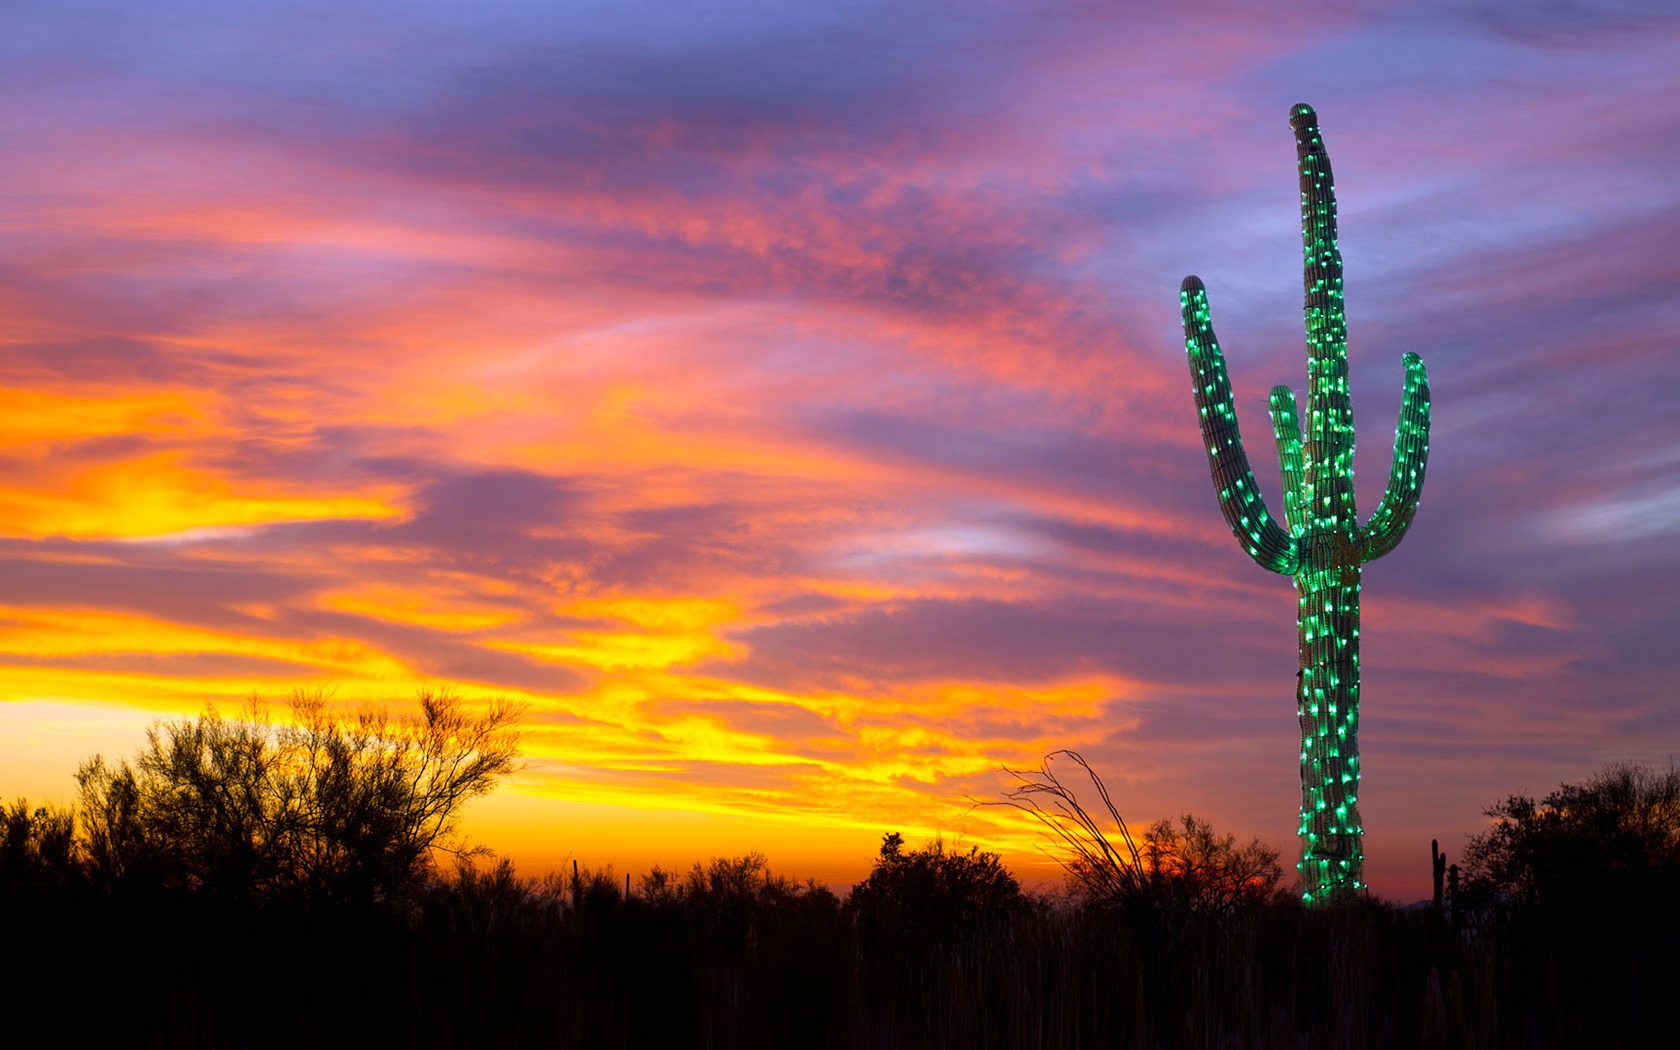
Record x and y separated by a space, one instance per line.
787 403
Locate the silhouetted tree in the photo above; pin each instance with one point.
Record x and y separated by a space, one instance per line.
321 808
586 889
1194 870
479 905
723 897
735 878
1614 839
933 893
38 850
722 883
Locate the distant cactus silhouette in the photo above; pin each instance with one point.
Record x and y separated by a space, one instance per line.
1438 867
1321 543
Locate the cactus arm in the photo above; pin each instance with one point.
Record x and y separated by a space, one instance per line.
1286 428
1270 546
1405 478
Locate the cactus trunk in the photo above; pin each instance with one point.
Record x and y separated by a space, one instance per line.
1319 542
1327 701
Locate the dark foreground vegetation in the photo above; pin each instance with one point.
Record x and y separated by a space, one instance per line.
246 885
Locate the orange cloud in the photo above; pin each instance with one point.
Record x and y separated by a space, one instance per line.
158 498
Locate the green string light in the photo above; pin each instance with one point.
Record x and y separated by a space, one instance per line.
1320 542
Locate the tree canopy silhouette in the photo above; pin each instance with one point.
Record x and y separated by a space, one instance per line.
1613 839
38 848
934 892
322 807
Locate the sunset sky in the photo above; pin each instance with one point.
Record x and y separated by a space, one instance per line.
788 402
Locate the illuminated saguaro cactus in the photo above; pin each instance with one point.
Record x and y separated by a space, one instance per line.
1320 543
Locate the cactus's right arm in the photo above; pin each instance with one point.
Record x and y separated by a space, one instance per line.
1240 501
1394 516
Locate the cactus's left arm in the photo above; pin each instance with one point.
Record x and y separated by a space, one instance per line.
1270 545
1286 428
1405 480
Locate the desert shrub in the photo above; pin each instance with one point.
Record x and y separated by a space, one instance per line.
1177 869
38 848
933 894
1612 841
322 808
1191 869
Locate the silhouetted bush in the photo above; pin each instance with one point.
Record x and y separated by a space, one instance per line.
320 809
1178 870
1610 843
933 894
1190 869
1582 890
776 949
38 849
